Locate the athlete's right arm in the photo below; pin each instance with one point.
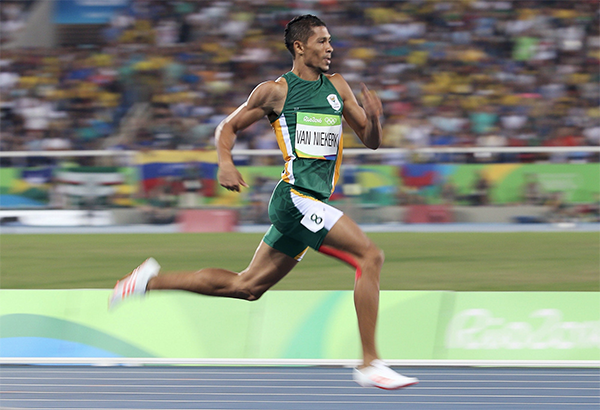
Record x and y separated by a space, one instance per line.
263 100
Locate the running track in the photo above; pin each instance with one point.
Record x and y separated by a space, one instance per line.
297 388
293 388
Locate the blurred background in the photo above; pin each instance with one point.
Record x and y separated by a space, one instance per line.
491 110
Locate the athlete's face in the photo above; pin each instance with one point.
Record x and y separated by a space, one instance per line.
318 49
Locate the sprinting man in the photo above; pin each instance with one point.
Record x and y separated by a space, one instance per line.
305 108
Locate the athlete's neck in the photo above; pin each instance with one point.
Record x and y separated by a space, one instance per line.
306 73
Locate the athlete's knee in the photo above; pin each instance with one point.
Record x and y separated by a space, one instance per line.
373 254
254 293
248 289
373 259
380 257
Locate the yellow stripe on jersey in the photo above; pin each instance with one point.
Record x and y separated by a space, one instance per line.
280 138
285 145
301 254
293 191
338 163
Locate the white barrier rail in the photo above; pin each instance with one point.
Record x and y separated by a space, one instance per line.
143 361
347 151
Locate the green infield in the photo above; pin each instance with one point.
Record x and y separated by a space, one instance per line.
532 261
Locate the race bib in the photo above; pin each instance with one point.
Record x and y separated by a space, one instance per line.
317 135
314 219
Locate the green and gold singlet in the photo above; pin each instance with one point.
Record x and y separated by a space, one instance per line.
309 134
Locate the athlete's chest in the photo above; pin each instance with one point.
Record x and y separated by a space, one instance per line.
317 122
322 99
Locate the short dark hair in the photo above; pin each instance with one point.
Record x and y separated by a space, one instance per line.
300 29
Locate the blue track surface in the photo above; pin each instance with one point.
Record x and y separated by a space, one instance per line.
292 388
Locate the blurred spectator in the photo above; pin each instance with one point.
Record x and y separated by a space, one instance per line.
532 192
13 15
159 208
450 73
258 199
448 192
560 210
480 191
595 209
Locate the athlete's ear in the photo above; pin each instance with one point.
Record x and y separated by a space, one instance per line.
298 48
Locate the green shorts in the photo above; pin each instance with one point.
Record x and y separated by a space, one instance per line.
299 221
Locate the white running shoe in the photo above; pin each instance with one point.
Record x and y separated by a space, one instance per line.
135 283
378 374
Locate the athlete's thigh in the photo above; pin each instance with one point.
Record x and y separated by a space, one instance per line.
268 266
347 236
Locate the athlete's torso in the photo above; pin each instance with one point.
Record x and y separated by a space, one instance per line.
309 134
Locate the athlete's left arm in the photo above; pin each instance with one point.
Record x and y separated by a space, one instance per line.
363 120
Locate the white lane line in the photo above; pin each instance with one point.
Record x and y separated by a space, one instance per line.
444 402
294 380
269 393
229 386
237 370
91 395
184 370
162 379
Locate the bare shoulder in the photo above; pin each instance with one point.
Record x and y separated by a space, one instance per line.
340 85
269 95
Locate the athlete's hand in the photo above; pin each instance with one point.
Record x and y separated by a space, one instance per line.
230 178
370 102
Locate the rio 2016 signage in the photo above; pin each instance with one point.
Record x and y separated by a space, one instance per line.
523 326
473 329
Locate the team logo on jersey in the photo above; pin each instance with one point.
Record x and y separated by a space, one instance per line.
334 102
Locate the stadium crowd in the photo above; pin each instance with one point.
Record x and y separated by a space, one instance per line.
456 73
13 16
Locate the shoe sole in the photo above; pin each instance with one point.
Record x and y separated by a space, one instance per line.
369 383
396 388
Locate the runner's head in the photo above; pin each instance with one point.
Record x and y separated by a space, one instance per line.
300 28
307 36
